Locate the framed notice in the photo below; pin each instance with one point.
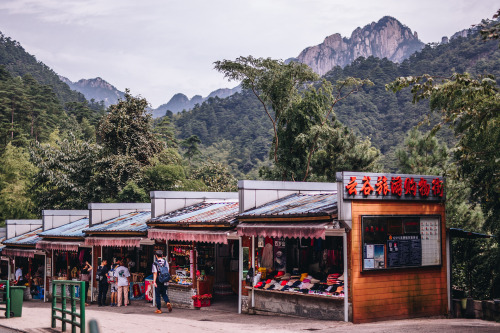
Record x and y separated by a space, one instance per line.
401 241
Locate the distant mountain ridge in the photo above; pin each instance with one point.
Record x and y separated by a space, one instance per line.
387 38
180 102
97 89
19 63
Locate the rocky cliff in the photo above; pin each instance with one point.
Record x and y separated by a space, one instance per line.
97 89
387 38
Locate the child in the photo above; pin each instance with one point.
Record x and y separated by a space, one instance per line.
112 282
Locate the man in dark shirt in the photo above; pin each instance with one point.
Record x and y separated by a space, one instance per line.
102 278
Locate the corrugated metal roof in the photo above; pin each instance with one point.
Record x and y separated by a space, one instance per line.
135 221
205 212
73 229
29 238
297 205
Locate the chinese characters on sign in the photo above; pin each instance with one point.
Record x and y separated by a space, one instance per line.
404 187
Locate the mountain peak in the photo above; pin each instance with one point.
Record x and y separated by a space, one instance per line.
97 89
386 38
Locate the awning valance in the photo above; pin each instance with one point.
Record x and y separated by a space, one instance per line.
287 230
113 241
58 245
10 252
202 236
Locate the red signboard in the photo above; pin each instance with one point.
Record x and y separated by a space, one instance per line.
375 186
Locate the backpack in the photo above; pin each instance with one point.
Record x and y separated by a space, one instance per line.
163 273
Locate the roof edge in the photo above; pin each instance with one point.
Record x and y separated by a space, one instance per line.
288 186
193 195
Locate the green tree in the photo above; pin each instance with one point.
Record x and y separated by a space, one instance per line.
215 176
471 106
301 113
191 147
127 130
16 174
422 154
65 173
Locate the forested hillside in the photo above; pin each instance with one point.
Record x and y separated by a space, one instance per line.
238 131
19 63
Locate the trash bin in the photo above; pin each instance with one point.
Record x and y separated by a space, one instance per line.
16 300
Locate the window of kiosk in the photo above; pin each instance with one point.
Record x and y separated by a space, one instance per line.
318 262
181 256
391 242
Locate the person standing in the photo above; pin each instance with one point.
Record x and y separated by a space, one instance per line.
112 281
102 277
19 275
159 264
85 276
123 275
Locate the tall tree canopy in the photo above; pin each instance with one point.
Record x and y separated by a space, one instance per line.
301 112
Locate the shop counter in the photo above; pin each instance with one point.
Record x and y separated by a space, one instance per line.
180 295
298 304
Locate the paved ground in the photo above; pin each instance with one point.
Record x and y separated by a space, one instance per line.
140 317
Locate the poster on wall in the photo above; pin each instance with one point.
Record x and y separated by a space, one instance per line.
379 256
49 267
404 250
279 254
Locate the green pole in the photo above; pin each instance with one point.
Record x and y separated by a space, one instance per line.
73 309
54 303
63 306
7 299
82 307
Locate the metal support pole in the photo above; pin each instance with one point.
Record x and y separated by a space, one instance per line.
448 270
82 308
54 303
91 277
240 273
45 278
253 269
346 278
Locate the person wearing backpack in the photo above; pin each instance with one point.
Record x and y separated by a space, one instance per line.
102 278
161 276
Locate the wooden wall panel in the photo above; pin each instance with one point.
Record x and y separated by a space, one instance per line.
396 293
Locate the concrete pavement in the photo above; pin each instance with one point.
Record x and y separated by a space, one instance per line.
140 317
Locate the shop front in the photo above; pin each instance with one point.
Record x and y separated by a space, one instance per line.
67 254
124 238
201 254
396 253
23 255
293 257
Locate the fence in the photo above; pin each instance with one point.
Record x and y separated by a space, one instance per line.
5 297
72 312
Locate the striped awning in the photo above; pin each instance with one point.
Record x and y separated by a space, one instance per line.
286 230
58 245
11 252
202 236
113 241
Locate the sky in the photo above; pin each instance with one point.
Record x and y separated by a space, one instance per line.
158 48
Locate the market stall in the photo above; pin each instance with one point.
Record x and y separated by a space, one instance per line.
197 236
24 255
293 257
125 238
67 254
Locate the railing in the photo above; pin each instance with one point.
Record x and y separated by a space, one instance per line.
5 297
72 311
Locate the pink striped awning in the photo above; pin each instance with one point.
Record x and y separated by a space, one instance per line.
58 245
202 236
10 252
113 241
287 230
